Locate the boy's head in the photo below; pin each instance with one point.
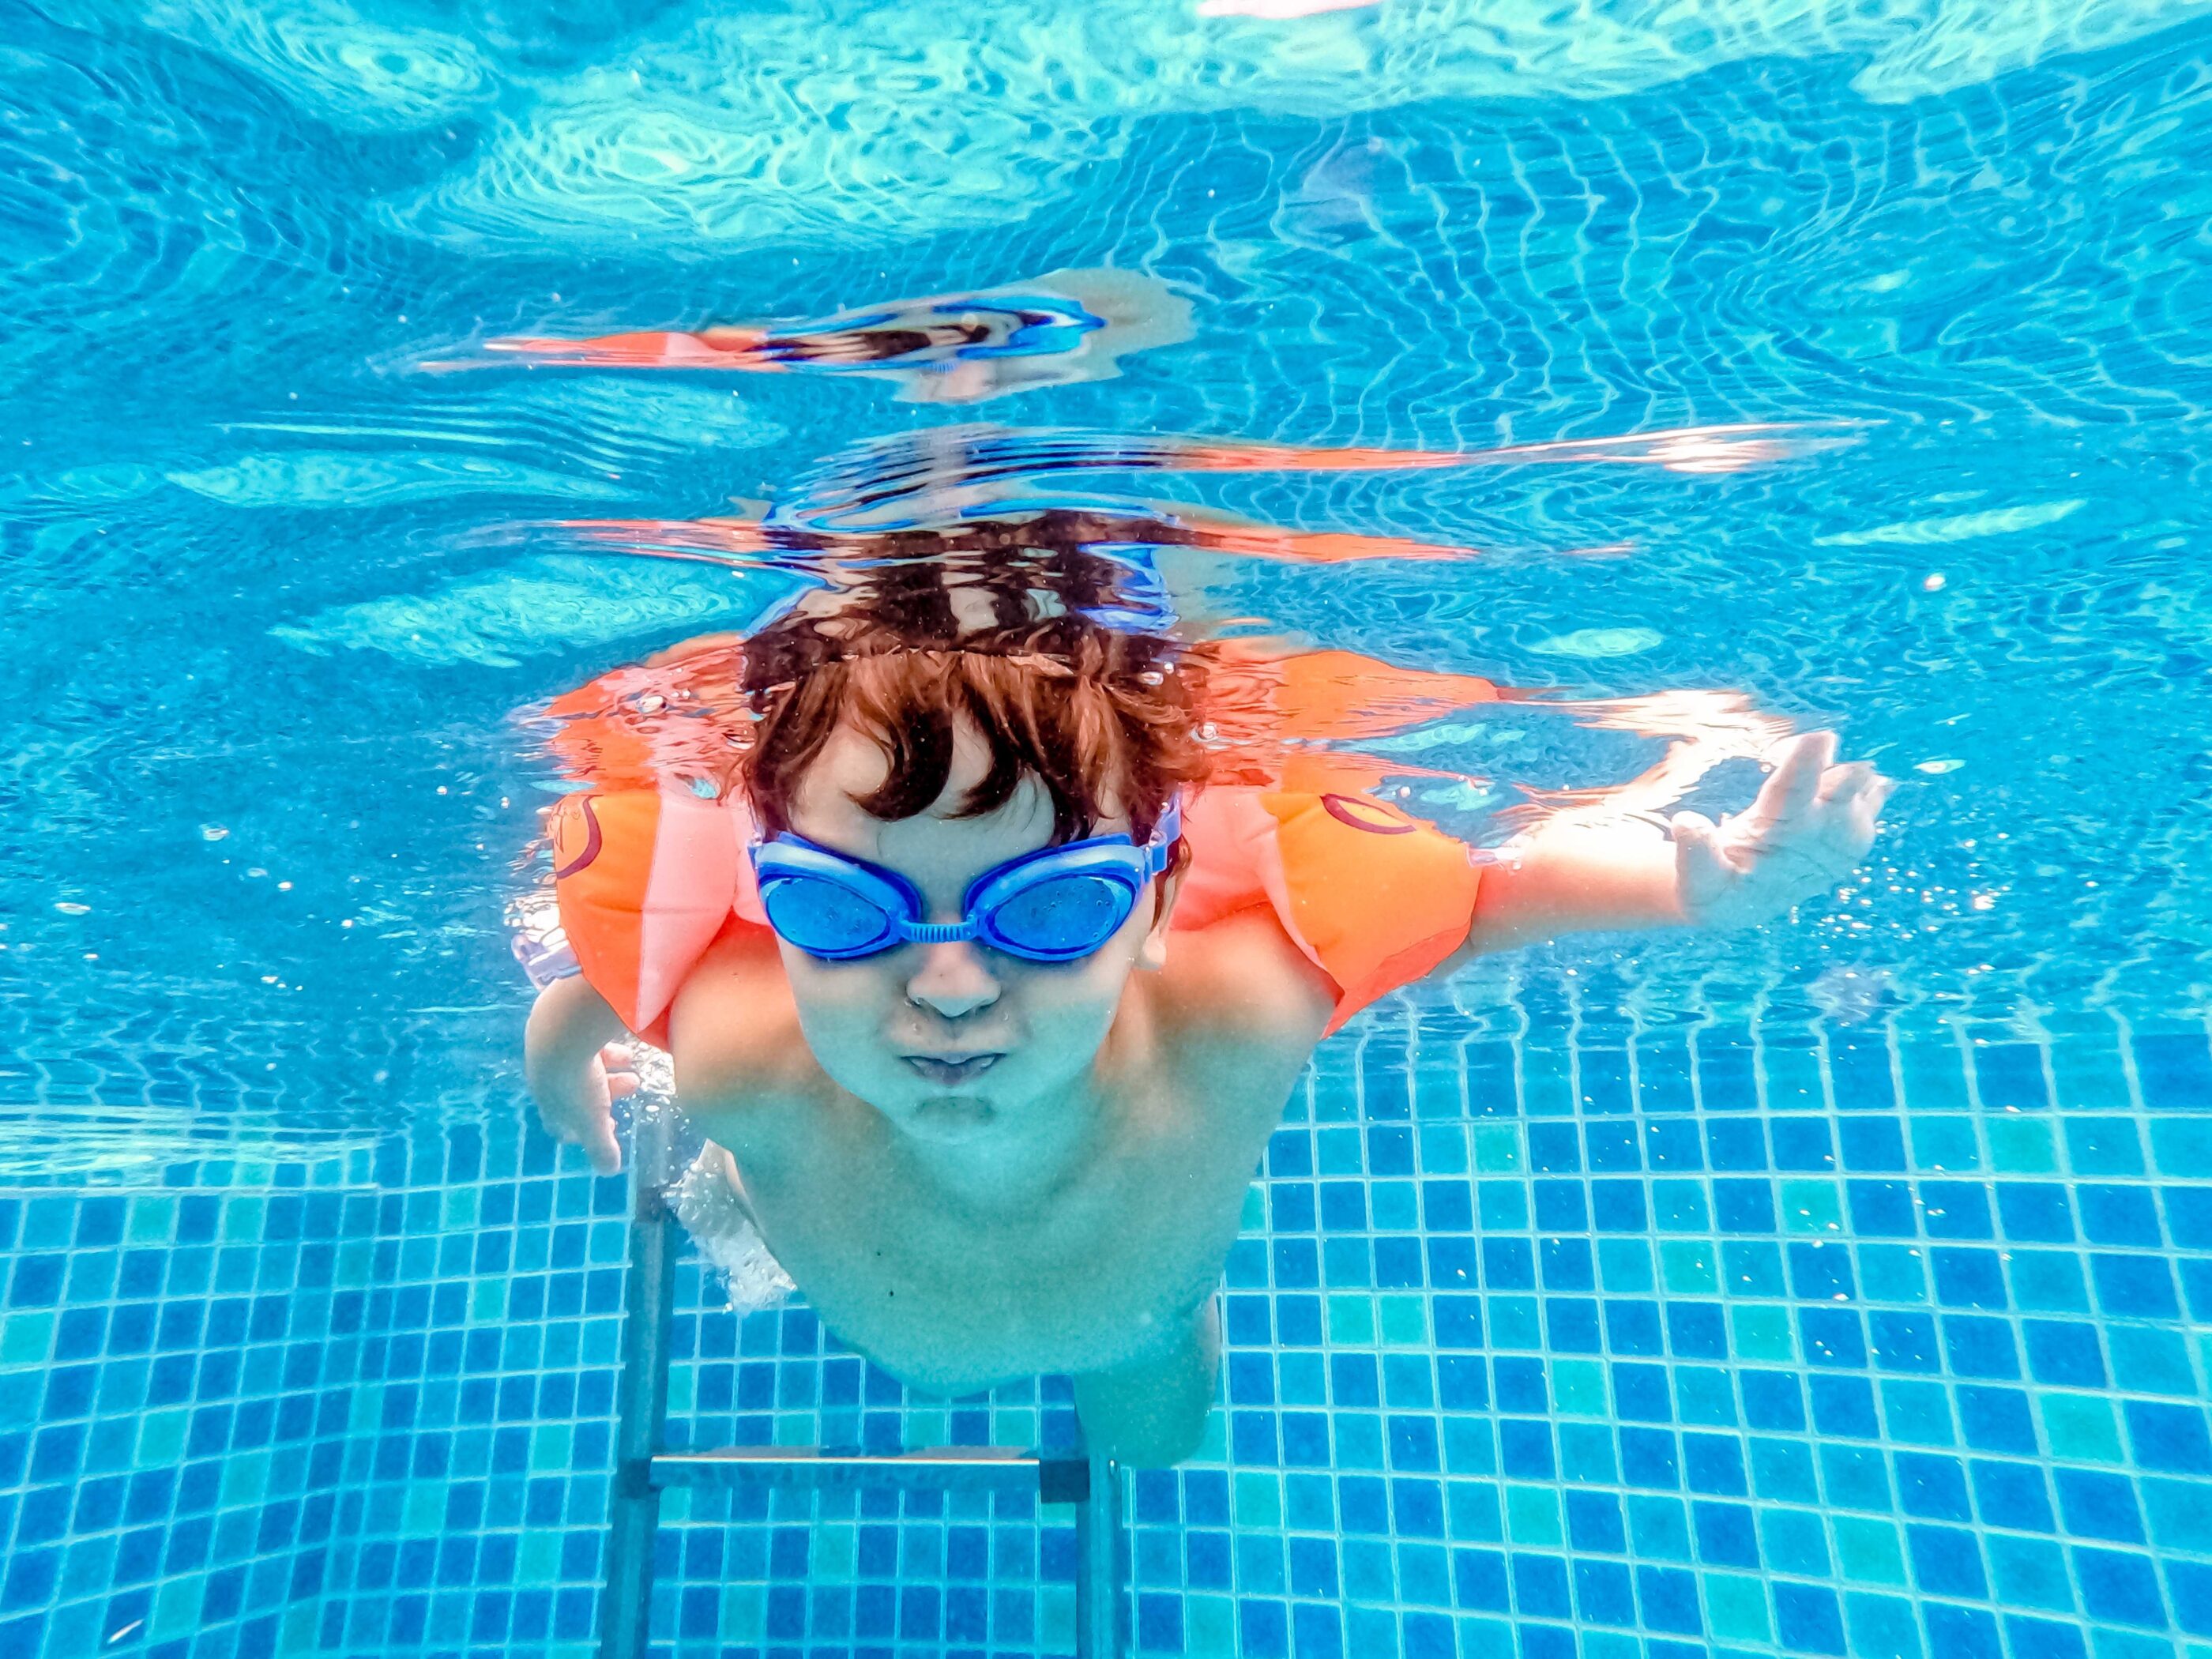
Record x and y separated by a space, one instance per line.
941 745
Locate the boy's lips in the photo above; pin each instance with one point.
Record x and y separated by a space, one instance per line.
952 1068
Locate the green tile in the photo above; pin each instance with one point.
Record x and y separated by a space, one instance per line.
1486 1638
1578 1388
1688 1268
1253 1219
162 1439
1405 1320
1811 1207
1497 1146
424 1512
1737 1606
2020 1145
1258 1501
1209 1627
553 1445
246 1478
538 1557
1868 1552
488 1300
177 1609
744 1613
296 1629
25 1337
1351 1320
152 1219
1760 1333
1532 1514
2081 1427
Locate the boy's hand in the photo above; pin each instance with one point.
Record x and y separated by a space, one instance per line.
1813 822
573 1072
578 1109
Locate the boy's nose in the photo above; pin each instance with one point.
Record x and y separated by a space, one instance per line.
952 979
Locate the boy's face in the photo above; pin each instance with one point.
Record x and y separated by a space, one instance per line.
958 1041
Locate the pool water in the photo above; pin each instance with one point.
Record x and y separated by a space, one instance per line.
1835 1289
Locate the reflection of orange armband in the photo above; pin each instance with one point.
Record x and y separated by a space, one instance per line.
1373 899
646 879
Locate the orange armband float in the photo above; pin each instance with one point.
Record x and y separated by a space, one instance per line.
646 878
1373 899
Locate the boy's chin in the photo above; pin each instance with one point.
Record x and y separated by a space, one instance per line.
949 1120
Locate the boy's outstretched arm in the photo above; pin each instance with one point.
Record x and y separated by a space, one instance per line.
1813 821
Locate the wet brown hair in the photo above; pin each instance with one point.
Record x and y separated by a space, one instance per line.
1092 712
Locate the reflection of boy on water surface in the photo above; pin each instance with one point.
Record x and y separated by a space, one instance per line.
978 1167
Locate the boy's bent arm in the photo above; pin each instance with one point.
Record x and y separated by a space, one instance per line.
563 1063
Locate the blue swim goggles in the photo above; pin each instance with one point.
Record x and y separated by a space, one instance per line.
1056 904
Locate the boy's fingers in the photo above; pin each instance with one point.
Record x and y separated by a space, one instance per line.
601 1149
1841 783
621 1085
1797 775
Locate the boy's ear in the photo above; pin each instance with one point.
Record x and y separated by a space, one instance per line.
1152 954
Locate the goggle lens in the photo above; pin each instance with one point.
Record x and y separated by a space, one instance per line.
1072 916
825 919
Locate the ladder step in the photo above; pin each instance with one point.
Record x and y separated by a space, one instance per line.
935 1468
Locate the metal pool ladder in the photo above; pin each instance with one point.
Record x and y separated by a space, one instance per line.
643 1469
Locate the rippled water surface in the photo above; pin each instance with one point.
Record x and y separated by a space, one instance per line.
279 585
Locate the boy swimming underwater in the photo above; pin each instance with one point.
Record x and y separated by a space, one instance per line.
998 979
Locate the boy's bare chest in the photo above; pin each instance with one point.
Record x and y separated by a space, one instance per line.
955 1298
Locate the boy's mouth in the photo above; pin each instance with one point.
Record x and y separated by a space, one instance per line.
952 1068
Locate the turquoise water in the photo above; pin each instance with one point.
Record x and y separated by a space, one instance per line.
1832 1288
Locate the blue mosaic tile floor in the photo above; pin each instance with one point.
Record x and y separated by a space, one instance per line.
1886 1350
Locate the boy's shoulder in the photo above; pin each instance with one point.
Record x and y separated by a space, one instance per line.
1240 980
735 1039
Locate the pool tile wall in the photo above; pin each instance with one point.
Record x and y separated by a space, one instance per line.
1872 1348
